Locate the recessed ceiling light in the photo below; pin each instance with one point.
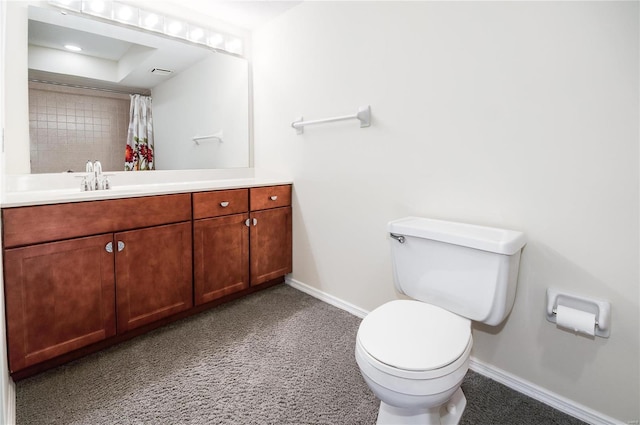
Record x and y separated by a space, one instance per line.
72 48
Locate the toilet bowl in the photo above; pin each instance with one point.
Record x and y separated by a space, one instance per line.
414 354
414 357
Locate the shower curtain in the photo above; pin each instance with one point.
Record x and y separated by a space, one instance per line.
139 150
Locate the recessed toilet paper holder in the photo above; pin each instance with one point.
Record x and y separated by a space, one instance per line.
600 308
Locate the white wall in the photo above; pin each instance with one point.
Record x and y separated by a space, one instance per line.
518 115
17 90
223 105
7 388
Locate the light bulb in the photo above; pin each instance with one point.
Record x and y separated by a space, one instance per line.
174 27
215 40
97 6
125 13
196 34
151 20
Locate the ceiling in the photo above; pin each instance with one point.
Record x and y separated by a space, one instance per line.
55 36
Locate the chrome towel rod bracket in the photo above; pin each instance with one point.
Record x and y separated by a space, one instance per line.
363 115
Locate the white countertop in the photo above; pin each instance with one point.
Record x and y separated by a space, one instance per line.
41 189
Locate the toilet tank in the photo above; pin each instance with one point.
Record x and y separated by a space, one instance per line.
466 269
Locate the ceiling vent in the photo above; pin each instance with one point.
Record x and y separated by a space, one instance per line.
160 71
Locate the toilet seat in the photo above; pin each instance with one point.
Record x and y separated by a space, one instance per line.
412 336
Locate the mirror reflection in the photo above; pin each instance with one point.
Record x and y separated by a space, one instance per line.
80 101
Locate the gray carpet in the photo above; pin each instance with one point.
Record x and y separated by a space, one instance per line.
275 357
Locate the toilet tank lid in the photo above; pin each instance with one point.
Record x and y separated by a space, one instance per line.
492 239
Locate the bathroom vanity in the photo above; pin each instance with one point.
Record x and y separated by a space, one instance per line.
82 275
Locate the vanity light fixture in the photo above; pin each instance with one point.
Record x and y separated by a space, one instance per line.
151 21
103 9
75 5
215 40
125 14
196 34
233 45
96 6
175 28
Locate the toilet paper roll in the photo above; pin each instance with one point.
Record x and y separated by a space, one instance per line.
576 320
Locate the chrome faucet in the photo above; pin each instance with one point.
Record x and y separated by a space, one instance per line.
94 180
97 175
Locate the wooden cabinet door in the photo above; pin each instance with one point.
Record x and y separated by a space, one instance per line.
270 244
221 257
60 296
153 274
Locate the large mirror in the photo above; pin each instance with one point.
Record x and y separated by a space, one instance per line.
79 101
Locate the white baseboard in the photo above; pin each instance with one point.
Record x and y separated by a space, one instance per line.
9 414
8 400
329 299
543 395
515 383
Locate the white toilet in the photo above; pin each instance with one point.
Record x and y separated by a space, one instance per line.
414 354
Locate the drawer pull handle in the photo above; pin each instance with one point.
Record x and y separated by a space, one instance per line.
247 222
273 198
120 246
255 221
224 204
109 247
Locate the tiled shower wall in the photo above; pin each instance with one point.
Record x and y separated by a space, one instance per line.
69 126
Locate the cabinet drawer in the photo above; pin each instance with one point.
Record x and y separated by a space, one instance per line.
263 198
45 223
219 203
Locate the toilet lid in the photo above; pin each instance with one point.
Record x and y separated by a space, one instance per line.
413 335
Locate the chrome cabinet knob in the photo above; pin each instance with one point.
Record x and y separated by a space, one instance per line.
224 204
273 198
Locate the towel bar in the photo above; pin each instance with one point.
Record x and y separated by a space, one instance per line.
363 114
